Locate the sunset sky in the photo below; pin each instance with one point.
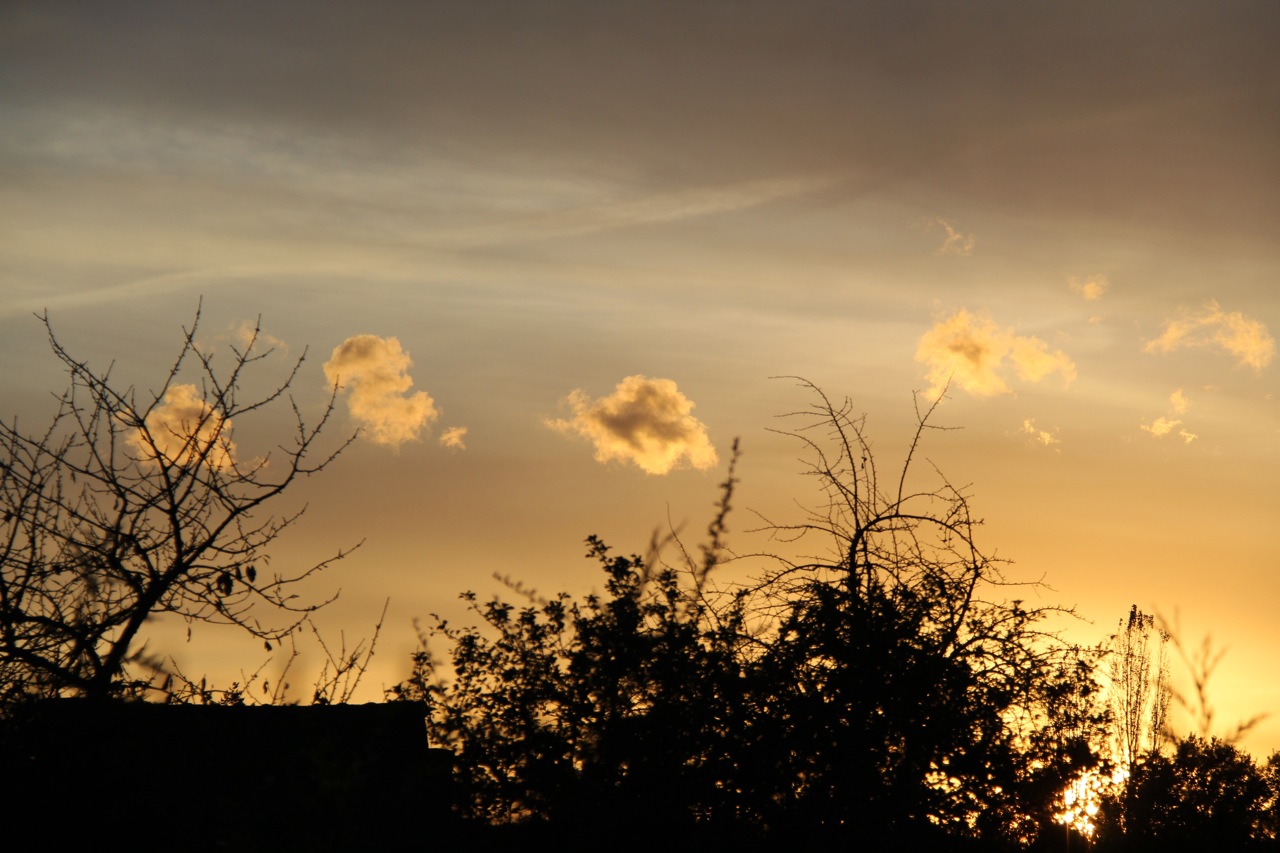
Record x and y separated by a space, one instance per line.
554 253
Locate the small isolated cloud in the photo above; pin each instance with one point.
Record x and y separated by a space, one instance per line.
974 353
1160 427
646 422
953 241
183 429
1246 339
1179 403
250 333
1091 287
374 372
1038 435
453 437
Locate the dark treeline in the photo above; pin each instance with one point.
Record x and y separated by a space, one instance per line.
895 690
891 686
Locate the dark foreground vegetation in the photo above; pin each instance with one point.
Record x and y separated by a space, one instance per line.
890 687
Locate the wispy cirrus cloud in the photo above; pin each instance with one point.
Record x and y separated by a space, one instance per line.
1212 328
954 242
374 373
185 430
646 422
973 353
602 210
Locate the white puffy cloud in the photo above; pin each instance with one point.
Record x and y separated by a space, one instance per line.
1091 287
646 422
374 372
454 437
1179 402
1246 339
974 353
183 429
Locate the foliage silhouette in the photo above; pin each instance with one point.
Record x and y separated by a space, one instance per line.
885 691
1140 690
135 504
1200 665
1209 795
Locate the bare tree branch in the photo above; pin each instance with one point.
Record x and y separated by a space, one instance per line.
128 506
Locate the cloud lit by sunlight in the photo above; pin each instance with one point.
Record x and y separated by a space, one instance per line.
646 422
1038 435
1091 287
953 241
973 353
1246 339
184 430
453 437
1179 403
1163 426
374 373
248 332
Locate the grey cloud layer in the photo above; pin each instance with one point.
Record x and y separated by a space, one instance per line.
987 99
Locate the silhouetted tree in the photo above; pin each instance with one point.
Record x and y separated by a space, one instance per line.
1270 829
1209 795
889 692
924 699
1140 691
135 504
1200 665
587 713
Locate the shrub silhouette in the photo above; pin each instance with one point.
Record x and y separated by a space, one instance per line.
886 692
1208 795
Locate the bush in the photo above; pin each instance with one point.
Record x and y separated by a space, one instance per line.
886 692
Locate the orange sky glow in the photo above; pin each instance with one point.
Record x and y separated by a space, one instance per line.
553 253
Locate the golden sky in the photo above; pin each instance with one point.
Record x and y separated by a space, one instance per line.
553 252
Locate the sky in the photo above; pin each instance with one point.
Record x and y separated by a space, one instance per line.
555 255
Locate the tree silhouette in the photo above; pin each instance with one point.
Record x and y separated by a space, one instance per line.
929 700
887 692
135 504
1209 795
585 713
1140 690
